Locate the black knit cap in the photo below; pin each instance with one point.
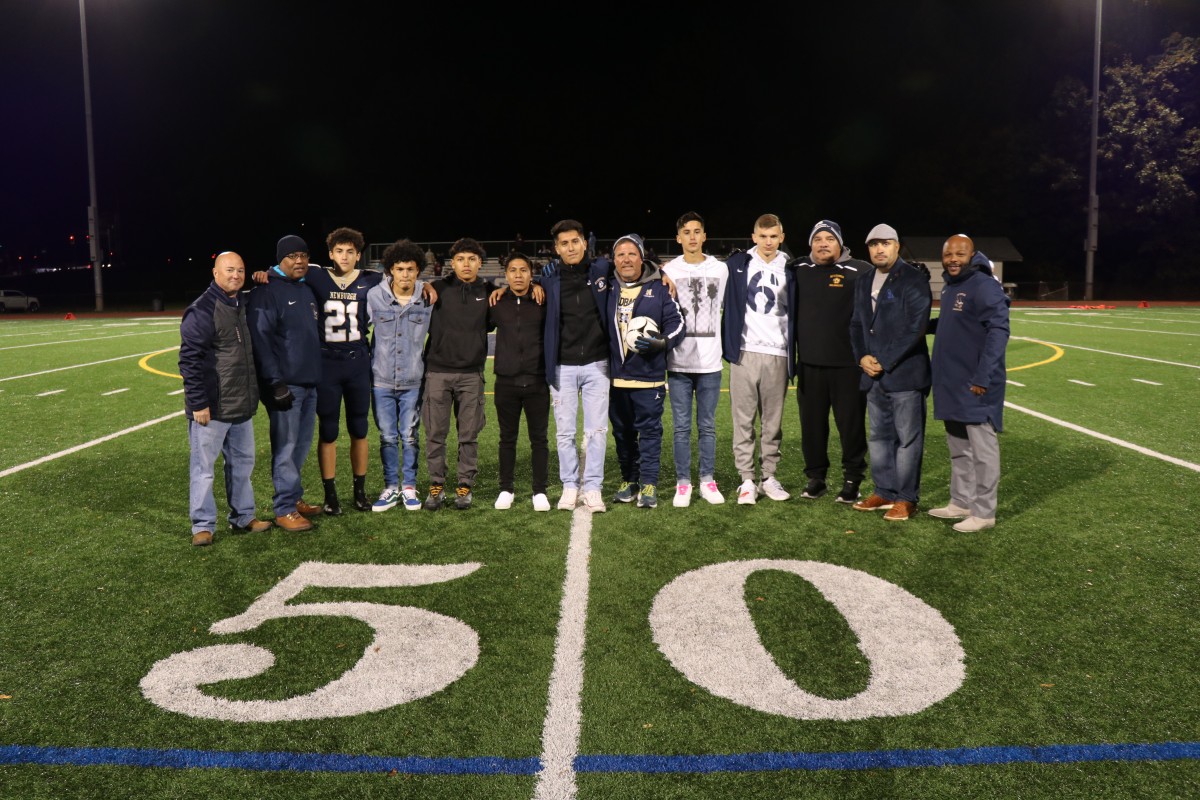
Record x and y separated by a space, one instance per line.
288 245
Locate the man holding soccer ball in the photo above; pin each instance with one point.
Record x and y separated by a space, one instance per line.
645 323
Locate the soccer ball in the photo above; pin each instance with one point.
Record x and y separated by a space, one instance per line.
639 326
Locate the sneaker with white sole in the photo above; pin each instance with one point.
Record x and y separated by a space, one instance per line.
710 492
747 493
950 511
849 493
648 496
814 488
504 501
387 500
569 499
541 502
773 489
594 501
463 497
436 498
412 501
975 524
683 495
627 493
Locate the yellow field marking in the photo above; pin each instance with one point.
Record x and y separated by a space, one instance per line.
1058 353
149 368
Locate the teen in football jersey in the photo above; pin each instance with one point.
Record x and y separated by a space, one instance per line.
341 292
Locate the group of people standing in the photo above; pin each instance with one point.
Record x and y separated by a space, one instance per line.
613 339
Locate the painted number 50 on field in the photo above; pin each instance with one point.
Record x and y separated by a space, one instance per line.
700 622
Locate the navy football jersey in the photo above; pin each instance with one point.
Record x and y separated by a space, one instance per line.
343 311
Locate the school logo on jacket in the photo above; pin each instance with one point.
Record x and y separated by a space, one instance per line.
600 284
959 299
837 281
648 293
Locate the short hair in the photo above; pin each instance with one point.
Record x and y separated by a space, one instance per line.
517 255
566 226
345 236
768 221
690 216
400 251
468 245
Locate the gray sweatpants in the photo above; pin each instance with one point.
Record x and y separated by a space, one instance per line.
757 389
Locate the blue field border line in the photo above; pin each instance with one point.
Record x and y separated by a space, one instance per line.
264 762
891 759
485 765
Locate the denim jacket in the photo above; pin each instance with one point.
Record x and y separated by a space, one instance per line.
397 351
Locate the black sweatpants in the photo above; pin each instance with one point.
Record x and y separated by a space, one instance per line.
819 389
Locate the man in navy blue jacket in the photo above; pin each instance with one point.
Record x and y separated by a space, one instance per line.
220 398
887 333
969 377
639 368
287 353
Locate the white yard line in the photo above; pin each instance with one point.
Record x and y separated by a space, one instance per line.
177 391
85 445
114 391
1081 383
1148 383
77 366
94 339
52 391
1014 383
560 731
1108 352
47 332
1137 448
1106 327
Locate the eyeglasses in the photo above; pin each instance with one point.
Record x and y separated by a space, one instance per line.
297 256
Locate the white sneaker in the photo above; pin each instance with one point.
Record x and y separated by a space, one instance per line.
541 502
594 501
747 493
569 499
974 524
711 493
504 501
683 495
773 489
950 511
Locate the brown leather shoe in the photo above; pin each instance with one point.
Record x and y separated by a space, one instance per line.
900 511
255 526
202 538
293 522
872 502
308 509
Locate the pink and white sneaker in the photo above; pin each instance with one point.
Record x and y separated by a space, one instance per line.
683 495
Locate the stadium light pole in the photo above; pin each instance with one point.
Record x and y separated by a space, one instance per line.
1093 224
93 232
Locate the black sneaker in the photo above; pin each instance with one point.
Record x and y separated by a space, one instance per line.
361 502
849 493
332 507
463 498
814 489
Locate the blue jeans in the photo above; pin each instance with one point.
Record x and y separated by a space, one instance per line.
236 442
291 439
398 417
590 382
897 442
707 388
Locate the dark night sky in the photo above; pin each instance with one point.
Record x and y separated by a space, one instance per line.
223 125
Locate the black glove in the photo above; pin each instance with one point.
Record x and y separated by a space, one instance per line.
921 268
281 396
650 345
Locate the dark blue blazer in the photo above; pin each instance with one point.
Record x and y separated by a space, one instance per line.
895 331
